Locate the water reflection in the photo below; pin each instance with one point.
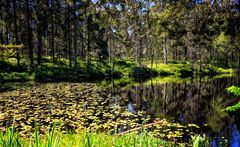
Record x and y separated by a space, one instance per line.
131 108
235 141
199 101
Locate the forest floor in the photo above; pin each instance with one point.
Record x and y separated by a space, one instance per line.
99 69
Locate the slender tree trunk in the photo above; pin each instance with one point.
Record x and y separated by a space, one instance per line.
39 33
52 31
30 43
75 34
82 44
238 50
89 27
193 61
174 53
88 51
66 20
200 58
7 17
226 58
109 45
140 46
39 45
165 51
69 37
152 56
7 35
232 59
1 31
16 31
200 63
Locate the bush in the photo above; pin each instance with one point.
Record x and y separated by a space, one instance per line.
165 73
15 76
185 72
49 72
143 72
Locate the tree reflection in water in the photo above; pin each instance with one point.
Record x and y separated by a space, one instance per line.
199 101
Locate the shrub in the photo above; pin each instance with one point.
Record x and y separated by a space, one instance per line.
143 72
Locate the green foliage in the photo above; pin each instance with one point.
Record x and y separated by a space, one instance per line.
60 70
222 40
200 141
16 76
233 108
185 70
9 51
236 91
55 138
172 69
53 72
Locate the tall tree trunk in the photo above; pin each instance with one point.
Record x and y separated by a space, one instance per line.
165 51
16 31
29 36
89 29
69 37
109 45
1 31
238 50
140 45
75 33
152 56
39 32
232 60
88 51
200 58
193 61
39 44
7 35
82 44
52 31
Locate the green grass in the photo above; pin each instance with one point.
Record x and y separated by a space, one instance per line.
60 70
16 76
172 69
55 138
184 69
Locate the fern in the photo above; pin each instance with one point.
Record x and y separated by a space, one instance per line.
236 91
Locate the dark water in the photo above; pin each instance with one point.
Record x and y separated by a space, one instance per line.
197 101
184 101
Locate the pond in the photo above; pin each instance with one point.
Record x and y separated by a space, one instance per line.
188 101
177 107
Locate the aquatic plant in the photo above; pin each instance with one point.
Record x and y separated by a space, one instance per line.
199 141
78 106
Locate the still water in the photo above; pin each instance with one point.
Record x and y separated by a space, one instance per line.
188 101
195 102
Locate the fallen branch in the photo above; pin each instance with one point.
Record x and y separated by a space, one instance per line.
139 128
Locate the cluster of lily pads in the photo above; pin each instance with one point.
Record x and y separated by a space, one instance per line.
75 107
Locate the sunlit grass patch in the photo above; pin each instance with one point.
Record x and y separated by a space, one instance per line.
54 138
86 138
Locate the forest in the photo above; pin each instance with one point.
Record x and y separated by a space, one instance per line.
146 58
198 32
